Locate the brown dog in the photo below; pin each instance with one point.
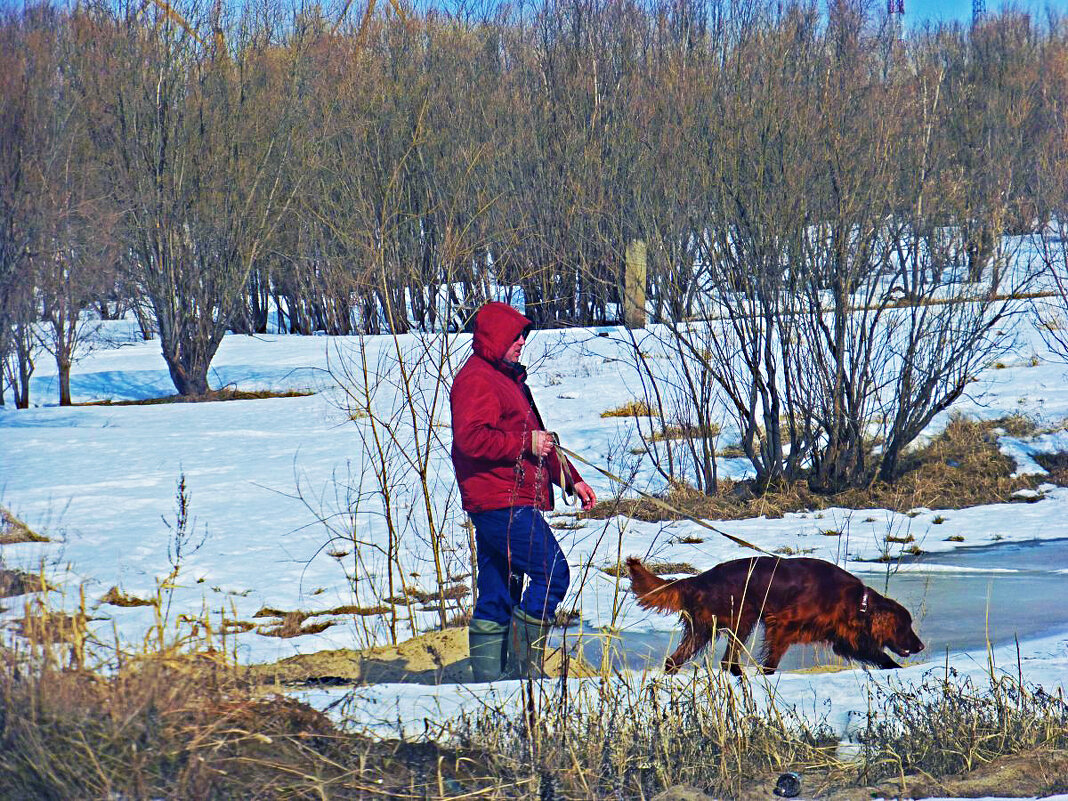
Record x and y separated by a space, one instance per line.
798 601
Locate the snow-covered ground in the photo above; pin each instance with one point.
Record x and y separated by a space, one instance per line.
100 482
837 699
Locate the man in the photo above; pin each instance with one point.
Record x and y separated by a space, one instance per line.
505 461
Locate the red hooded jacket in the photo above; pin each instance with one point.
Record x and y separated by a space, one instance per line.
493 415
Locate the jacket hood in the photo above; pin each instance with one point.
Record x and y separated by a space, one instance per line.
496 327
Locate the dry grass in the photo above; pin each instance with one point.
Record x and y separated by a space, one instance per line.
634 408
293 623
117 597
55 628
901 540
949 725
789 550
159 730
452 592
17 582
568 525
184 721
961 467
640 408
686 431
725 505
224 394
14 531
631 741
1057 465
656 568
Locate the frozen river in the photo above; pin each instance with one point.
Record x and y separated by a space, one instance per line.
958 599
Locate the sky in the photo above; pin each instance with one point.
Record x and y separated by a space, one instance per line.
916 11
961 10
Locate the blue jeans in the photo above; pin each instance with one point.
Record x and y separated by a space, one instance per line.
513 543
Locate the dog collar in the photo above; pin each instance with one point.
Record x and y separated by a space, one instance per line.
864 602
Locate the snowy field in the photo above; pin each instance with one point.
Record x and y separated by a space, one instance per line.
261 476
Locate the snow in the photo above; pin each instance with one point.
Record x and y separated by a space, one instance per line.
263 476
411 710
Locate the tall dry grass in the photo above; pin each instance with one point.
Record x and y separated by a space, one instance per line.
178 717
184 721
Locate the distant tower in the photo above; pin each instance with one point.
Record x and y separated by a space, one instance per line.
895 14
978 10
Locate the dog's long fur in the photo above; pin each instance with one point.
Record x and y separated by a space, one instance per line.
798 600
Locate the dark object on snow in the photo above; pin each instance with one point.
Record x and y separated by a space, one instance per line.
788 785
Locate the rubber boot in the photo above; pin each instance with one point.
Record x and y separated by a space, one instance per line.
528 638
488 646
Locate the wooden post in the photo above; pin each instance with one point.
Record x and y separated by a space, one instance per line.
634 285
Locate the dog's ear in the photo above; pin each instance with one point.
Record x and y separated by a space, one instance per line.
888 617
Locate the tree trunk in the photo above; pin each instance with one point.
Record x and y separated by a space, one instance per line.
63 368
188 356
24 355
144 321
189 383
980 250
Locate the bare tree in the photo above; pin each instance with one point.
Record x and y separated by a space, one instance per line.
73 252
991 76
813 206
1051 178
406 466
195 136
28 69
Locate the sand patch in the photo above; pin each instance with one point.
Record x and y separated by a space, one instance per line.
438 657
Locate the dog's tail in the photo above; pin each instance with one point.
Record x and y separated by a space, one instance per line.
653 592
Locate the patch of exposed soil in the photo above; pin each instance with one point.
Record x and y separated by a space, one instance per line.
438 657
224 394
1030 775
1034 774
16 582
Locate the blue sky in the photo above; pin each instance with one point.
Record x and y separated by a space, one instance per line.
949 10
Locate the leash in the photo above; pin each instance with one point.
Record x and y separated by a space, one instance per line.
564 455
567 489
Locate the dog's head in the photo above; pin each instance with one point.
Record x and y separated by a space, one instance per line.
891 627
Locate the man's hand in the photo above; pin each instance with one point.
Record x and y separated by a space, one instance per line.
585 494
541 443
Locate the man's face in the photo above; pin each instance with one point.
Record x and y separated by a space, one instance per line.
512 354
